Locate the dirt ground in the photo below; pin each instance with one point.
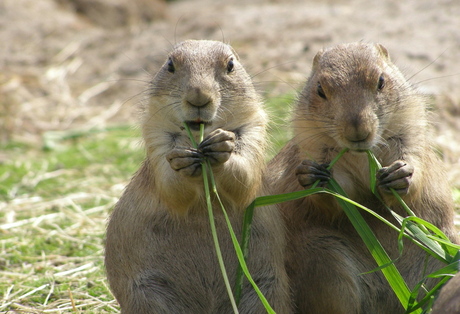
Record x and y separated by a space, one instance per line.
78 64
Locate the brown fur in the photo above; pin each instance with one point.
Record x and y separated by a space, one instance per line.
160 256
448 301
356 97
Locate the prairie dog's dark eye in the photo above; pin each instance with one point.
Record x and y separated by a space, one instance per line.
230 65
171 67
321 91
381 83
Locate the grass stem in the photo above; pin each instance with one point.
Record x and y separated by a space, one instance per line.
207 173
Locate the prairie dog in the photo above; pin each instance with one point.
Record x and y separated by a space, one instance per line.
357 98
160 256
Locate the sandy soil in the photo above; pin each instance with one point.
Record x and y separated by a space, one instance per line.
77 64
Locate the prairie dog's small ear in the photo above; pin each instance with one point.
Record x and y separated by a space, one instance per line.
316 59
383 51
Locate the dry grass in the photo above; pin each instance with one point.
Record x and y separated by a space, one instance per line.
53 210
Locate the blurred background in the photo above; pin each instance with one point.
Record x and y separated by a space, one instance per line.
83 63
72 75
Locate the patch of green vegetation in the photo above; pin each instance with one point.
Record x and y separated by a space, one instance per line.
106 156
57 201
279 110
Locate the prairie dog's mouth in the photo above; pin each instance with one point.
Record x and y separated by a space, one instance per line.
358 151
359 146
195 124
356 143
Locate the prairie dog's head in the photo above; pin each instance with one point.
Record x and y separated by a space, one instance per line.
352 94
202 82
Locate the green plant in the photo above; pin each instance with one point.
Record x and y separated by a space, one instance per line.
210 185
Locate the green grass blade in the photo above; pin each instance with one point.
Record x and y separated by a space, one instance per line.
429 296
201 132
403 204
439 245
280 198
238 250
350 201
452 247
205 169
339 155
418 233
374 166
402 231
390 272
216 239
190 135
246 233
444 273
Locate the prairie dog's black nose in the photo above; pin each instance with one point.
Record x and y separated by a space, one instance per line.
357 129
198 97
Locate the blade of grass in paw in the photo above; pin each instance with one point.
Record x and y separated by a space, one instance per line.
205 168
418 228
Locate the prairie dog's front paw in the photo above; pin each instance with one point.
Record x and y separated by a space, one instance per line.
218 146
397 176
186 161
308 172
